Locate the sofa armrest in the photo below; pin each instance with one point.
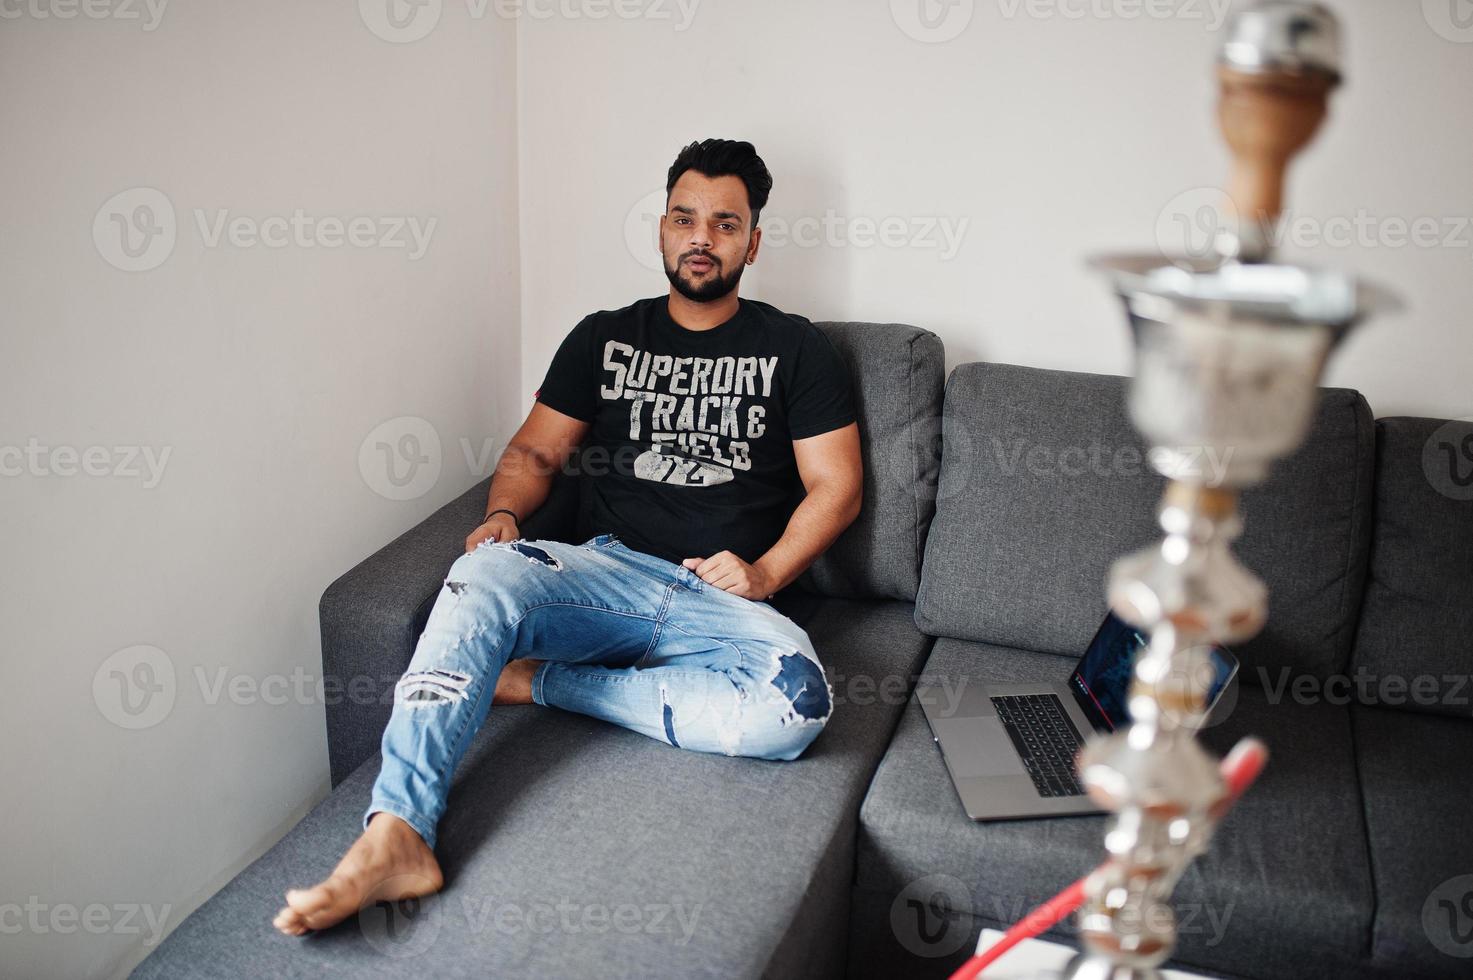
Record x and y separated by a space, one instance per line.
372 616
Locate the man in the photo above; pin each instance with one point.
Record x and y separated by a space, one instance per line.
708 409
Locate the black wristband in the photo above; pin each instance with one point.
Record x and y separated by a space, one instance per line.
501 510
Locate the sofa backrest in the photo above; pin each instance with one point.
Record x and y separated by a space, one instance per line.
1044 483
1414 644
899 373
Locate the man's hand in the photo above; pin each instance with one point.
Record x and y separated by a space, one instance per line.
727 571
499 528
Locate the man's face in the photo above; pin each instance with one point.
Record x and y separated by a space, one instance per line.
706 235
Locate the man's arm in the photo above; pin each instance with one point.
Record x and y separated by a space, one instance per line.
833 474
526 469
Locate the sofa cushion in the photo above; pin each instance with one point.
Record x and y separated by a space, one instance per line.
573 848
898 374
1284 891
1412 648
1414 775
1044 483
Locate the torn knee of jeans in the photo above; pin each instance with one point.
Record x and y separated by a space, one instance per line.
668 715
456 588
534 554
433 688
801 682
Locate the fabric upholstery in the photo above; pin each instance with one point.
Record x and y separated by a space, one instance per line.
551 807
1284 891
1414 775
1412 649
898 373
1044 483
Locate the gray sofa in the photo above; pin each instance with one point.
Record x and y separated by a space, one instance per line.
576 849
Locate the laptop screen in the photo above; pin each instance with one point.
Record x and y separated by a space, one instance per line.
1101 682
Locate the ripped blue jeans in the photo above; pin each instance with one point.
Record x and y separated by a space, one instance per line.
623 635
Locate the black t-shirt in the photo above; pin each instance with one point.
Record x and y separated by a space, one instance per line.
691 449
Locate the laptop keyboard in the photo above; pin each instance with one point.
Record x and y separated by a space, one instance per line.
1045 738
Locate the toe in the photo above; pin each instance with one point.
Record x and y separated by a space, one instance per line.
307 901
288 922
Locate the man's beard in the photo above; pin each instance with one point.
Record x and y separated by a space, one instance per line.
715 287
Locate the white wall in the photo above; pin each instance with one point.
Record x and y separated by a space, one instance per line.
261 371
1050 136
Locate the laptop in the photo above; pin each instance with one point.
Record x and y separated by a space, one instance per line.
1010 748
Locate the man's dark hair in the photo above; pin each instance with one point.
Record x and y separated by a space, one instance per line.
723 158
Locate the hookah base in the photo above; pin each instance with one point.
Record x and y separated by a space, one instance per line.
1086 966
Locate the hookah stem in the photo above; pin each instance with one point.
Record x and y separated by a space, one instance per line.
1241 767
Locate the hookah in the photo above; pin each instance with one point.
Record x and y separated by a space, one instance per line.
1229 350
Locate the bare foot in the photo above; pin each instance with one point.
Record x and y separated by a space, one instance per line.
389 862
514 686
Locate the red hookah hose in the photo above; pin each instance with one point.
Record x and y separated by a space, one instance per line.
1241 767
